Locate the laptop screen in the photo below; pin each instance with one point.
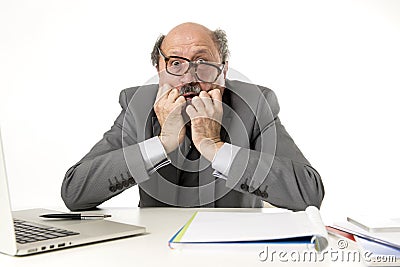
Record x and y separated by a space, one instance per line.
7 235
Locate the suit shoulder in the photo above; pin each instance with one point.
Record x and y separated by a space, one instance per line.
240 86
126 95
253 94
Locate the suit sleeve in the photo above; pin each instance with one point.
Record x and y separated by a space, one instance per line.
104 172
280 175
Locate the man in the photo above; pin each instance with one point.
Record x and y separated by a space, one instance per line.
196 139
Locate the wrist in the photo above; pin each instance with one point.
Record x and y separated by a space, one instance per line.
166 144
209 148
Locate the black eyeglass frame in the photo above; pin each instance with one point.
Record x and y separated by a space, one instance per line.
192 64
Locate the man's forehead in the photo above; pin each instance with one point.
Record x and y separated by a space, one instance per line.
189 46
188 49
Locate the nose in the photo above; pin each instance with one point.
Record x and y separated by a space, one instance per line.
189 76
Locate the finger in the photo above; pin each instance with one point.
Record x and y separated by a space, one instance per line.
208 103
198 104
162 98
163 90
180 100
216 96
191 111
173 95
180 104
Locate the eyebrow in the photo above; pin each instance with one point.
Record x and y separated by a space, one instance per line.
202 51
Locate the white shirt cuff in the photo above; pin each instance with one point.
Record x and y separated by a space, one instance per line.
154 154
223 160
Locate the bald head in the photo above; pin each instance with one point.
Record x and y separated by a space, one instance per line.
190 34
188 28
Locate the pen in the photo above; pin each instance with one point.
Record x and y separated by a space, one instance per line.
75 216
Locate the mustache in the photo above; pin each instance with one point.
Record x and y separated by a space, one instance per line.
190 88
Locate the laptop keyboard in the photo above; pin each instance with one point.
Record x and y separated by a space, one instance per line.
27 232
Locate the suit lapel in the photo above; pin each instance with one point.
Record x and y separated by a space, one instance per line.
239 119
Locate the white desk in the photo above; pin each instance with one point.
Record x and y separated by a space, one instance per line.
151 249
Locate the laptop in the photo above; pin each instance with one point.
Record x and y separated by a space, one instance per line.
24 232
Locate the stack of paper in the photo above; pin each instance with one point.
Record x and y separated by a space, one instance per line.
238 229
376 224
378 248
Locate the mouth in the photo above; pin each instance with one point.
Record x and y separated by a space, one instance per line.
190 90
190 95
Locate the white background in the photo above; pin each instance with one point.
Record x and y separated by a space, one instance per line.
334 66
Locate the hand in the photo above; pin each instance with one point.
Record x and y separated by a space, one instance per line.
168 108
205 115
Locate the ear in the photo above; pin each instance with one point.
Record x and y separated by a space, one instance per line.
158 70
159 65
226 69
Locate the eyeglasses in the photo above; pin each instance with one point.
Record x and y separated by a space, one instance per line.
204 71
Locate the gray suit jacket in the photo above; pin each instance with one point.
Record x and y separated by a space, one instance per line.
269 166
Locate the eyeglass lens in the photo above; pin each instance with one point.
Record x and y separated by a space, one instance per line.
204 71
